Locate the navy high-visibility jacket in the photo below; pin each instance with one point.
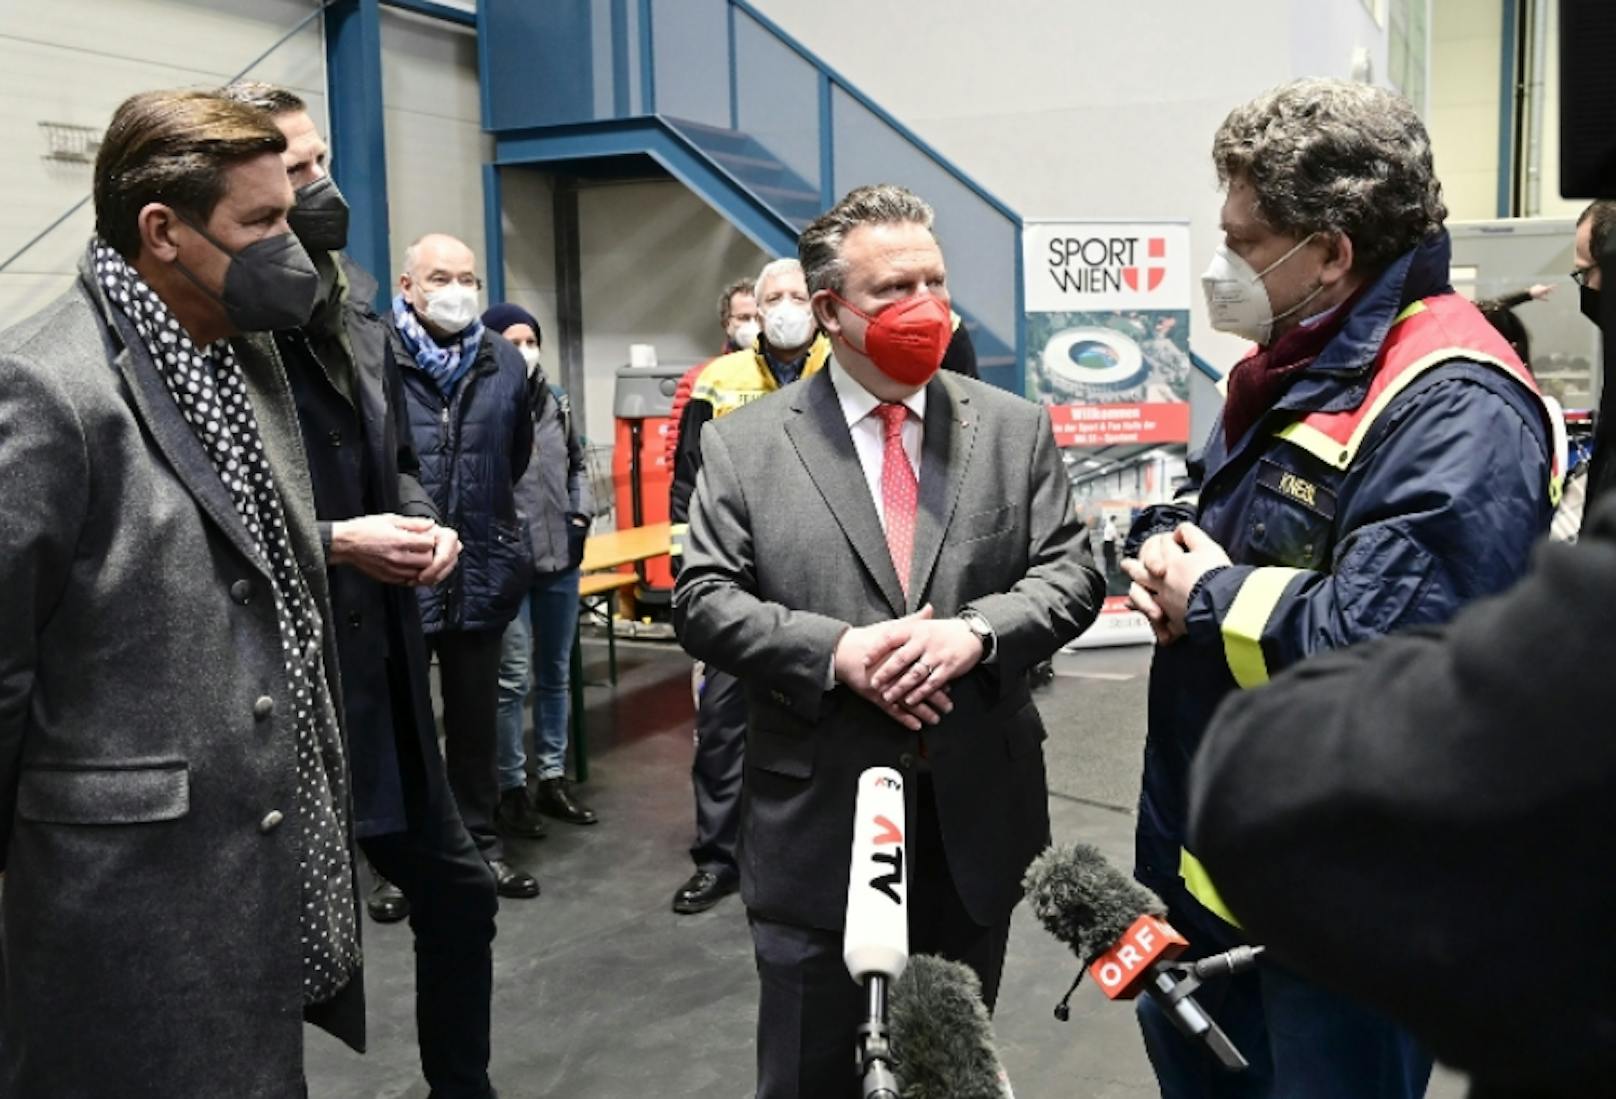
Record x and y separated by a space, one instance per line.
1406 472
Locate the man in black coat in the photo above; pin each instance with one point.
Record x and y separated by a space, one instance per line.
1423 823
381 536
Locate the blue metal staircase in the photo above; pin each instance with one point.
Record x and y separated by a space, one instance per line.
722 99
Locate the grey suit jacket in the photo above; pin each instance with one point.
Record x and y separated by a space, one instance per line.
149 939
786 552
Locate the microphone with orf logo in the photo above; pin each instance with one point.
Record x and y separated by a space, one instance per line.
1115 927
875 945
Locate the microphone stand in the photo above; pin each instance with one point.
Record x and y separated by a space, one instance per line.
1171 985
875 1044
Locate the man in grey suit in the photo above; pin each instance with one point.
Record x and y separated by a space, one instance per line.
880 553
174 810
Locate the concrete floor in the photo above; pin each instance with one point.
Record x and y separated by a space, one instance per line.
601 992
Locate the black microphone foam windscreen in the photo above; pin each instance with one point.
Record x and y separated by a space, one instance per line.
941 1037
1085 901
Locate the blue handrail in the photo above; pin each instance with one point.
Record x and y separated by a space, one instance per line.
870 105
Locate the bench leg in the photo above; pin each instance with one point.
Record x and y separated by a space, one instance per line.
580 735
611 647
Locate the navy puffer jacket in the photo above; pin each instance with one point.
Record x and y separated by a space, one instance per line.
473 449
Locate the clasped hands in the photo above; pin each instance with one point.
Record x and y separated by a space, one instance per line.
904 666
396 549
1165 573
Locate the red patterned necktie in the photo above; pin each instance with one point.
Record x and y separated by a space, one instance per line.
900 491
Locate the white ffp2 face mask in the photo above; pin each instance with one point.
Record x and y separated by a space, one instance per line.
1237 301
745 335
788 325
530 355
452 308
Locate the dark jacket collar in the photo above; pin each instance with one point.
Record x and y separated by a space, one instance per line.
1415 274
1339 378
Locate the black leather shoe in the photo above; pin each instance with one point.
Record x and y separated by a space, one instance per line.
702 891
513 883
554 798
387 903
516 817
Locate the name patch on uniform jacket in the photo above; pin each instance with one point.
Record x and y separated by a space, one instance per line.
1317 498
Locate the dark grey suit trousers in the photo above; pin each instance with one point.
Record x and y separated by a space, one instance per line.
809 1007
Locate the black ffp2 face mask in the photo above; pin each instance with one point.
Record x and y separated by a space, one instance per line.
1589 303
320 218
271 285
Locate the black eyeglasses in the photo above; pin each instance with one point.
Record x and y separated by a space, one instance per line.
1581 275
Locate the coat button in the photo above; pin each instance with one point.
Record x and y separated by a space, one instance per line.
241 591
906 761
354 618
335 438
272 820
1260 529
264 707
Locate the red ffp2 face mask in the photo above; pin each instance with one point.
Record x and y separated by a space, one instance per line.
907 339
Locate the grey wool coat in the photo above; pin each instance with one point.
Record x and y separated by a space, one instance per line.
149 939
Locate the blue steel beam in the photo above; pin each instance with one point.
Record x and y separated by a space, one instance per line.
448 13
679 157
494 233
353 56
647 60
1507 77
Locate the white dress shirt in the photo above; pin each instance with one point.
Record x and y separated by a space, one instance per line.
869 432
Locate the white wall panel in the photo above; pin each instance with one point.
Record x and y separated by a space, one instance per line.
74 61
654 259
435 144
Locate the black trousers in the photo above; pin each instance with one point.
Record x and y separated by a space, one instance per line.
715 773
468 670
809 1009
452 907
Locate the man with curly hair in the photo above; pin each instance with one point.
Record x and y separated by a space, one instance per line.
1383 458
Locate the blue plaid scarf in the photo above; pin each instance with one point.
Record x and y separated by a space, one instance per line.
444 365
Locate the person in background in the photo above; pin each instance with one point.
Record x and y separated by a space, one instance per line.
1593 240
175 834
381 536
471 420
790 347
738 316
554 500
1500 313
1108 545
1382 459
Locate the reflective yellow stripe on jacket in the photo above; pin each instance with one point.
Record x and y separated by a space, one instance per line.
1199 884
1248 616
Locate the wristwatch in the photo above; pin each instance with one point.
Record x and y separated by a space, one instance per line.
984 632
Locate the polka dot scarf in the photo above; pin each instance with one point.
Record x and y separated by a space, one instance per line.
211 392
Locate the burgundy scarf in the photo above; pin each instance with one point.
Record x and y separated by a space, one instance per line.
1260 379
